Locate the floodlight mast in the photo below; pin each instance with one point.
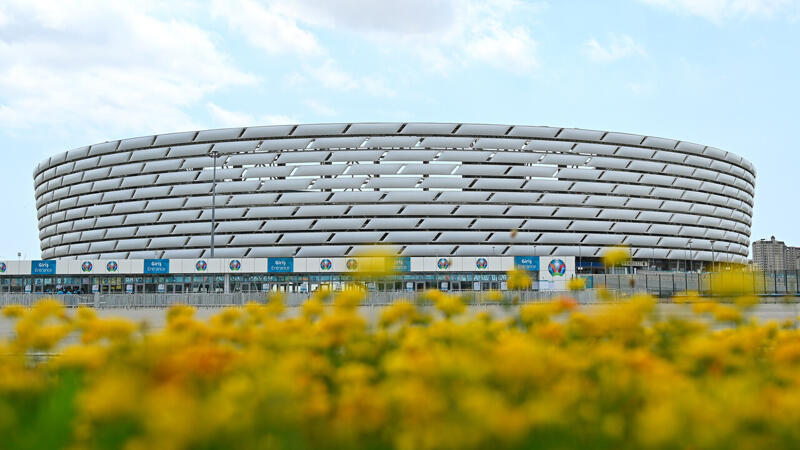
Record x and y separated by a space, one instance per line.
214 154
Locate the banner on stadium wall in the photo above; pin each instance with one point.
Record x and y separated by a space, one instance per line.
155 266
555 271
529 263
280 265
43 267
402 264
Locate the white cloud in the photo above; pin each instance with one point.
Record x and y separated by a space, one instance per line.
222 118
443 34
320 108
512 50
331 76
104 67
621 46
269 28
720 10
405 17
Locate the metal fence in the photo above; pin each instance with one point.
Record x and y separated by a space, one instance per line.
666 284
661 284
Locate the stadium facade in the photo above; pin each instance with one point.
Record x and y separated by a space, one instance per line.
467 194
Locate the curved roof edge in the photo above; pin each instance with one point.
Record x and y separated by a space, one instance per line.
391 128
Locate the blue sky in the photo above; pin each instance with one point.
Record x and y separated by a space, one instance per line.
717 72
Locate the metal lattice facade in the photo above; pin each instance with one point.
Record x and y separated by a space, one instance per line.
424 188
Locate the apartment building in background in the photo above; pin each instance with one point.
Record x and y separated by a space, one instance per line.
773 254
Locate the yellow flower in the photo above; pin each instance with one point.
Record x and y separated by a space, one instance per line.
687 297
377 262
46 308
111 396
113 329
275 304
46 337
494 295
518 279
616 256
85 314
734 283
313 309
537 312
576 284
350 297
180 311
723 313
703 307
450 305
628 373
746 301
13 311
82 356
398 311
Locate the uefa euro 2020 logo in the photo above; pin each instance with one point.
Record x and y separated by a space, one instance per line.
112 266
3 267
443 263
235 265
352 264
201 265
86 266
481 263
325 264
557 268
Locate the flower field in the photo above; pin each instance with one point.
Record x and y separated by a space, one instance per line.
545 375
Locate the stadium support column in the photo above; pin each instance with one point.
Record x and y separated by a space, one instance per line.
214 155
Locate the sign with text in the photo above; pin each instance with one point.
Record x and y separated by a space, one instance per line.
402 264
529 263
156 266
43 267
280 265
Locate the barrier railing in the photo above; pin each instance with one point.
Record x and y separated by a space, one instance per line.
667 284
663 285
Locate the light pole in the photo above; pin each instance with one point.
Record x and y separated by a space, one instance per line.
214 154
713 258
691 262
653 263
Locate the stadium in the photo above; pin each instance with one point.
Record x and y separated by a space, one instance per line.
466 194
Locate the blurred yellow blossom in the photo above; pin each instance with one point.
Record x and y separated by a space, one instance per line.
518 279
616 256
313 309
13 311
618 374
735 283
725 313
276 303
376 262
450 305
401 310
576 284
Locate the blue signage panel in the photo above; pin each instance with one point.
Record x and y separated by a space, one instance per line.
156 266
591 264
402 264
529 263
280 265
43 267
